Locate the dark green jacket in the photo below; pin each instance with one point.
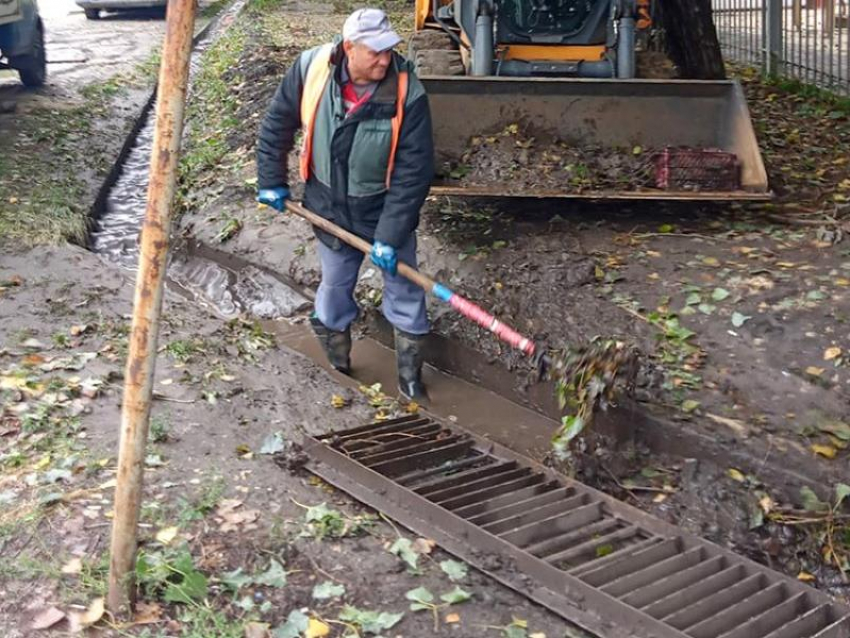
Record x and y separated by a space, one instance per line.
348 179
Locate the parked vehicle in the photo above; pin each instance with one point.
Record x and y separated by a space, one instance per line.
92 8
22 41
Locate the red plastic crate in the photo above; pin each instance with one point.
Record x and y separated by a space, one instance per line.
704 169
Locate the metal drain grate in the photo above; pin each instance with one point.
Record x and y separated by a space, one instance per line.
609 567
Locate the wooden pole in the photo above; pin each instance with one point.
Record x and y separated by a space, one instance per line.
420 279
153 259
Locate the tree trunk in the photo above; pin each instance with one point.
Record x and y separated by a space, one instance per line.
692 39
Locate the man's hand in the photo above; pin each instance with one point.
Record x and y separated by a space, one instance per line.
274 197
384 257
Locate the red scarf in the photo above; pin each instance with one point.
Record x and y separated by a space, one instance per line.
352 100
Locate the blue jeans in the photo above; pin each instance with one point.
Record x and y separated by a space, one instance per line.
403 301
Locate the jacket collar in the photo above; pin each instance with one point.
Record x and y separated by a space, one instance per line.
387 90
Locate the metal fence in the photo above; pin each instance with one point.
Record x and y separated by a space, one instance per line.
804 39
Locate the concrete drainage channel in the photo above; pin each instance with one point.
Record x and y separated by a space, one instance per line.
611 568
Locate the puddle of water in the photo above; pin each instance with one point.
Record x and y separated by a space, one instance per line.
472 406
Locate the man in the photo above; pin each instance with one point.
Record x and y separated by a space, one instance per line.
367 163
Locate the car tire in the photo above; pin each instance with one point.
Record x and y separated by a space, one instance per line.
92 14
33 67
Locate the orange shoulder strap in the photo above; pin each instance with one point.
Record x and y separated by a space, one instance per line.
318 74
397 121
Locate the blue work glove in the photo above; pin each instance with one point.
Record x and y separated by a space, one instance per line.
274 197
384 257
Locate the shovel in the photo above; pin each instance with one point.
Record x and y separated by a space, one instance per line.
462 305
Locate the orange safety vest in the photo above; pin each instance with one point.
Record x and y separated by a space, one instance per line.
318 75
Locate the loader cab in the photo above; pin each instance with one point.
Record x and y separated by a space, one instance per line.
552 22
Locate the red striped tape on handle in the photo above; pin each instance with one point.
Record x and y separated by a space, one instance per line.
486 320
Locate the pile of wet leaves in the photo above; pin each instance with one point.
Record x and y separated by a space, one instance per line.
587 379
518 162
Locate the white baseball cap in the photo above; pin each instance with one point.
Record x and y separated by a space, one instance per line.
372 28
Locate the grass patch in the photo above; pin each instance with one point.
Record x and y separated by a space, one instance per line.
42 196
211 114
148 71
104 91
211 10
822 101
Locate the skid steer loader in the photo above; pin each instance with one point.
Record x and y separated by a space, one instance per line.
562 74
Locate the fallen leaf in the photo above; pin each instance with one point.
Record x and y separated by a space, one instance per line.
739 426
73 566
767 504
316 629
166 535
455 570
719 294
739 320
327 590
81 620
227 505
272 444
338 402
690 405
47 618
806 577
233 520
814 371
711 261
832 353
452 618
423 545
838 428
824 450
659 498
257 630
736 475
147 613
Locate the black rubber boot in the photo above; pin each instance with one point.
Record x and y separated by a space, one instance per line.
336 344
408 351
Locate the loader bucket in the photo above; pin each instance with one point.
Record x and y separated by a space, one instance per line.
597 114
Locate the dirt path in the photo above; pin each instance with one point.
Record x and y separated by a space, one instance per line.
224 400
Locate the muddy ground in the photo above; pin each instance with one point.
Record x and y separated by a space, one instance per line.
220 509
741 311
223 391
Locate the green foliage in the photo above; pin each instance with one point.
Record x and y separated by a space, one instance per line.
825 102
403 548
159 429
229 230
296 623
325 522
455 570
421 599
586 380
328 589
204 503
183 350
369 622
170 574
